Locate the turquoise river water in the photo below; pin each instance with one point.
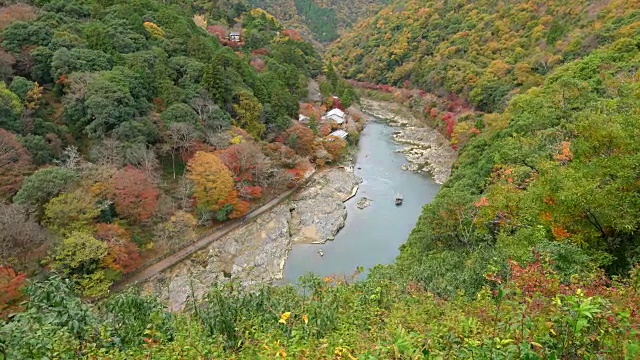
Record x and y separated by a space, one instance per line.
373 235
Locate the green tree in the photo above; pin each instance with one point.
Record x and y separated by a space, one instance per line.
108 105
38 148
65 61
45 184
213 80
10 109
180 113
78 257
21 34
248 110
60 317
69 212
21 86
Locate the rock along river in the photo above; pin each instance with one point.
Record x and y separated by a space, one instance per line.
276 246
372 235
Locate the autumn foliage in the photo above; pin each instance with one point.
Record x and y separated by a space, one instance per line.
213 182
11 285
15 163
16 12
245 161
300 139
335 146
122 254
292 34
154 30
135 196
258 63
310 110
564 154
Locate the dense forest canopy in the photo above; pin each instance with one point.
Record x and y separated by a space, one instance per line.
484 51
530 250
110 114
322 20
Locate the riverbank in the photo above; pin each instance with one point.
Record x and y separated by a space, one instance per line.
376 227
256 253
426 150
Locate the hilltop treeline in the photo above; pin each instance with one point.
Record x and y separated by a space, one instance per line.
484 51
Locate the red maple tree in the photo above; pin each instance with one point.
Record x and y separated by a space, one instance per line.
134 194
11 295
15 163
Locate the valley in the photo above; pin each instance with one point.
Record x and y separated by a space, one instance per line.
131 130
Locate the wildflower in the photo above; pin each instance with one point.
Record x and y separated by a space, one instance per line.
284 317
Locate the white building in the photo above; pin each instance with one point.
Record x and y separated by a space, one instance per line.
303 119
340 133
235 36
335 115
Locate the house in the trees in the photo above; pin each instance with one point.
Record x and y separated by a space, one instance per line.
335 115
235 36
303 119
340 133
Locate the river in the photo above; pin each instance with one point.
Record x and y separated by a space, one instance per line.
373 235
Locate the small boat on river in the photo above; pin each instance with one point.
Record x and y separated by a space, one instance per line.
398 199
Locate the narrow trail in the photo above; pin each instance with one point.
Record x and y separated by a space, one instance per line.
219 232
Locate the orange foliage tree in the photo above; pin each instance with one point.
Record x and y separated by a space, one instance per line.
246 162
122 254
281 154
16 12
135 195
213 182
300 139
258 63
324 129
310 110
292 34
239 209
335 147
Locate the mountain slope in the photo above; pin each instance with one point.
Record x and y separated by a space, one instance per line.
103 104
515 257
324 20
486 50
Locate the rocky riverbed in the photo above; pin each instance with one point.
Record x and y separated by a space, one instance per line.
256 253
426 149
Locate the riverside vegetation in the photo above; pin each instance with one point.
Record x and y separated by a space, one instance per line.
529 251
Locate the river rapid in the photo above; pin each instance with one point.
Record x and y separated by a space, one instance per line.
372 235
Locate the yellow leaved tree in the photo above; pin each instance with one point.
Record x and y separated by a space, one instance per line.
213 182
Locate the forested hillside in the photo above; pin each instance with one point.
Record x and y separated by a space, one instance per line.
550 165
127 127
485 51
531 250
323 20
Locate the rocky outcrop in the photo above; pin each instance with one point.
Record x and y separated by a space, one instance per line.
426 149
255 253
363 203
318 212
